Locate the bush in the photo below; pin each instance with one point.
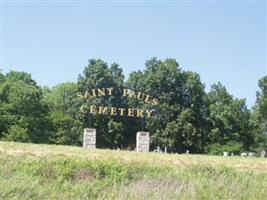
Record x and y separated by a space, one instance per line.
231 147
16 133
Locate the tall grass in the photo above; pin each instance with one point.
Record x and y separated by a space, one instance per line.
31 171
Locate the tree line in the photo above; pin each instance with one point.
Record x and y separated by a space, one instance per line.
188 117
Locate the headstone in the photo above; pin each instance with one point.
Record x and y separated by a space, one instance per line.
251 154
142 141
158 149
89 138
225 153
244 154
165 150
263 154
187 152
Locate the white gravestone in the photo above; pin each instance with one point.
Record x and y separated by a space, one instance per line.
225 153
89 138
263 154
142 141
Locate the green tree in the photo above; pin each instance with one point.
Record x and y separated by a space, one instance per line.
187 118
64 114
180 115
22 109
230 119
259 117
2 110
99 75
261 104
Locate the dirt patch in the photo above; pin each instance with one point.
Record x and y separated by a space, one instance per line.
83 175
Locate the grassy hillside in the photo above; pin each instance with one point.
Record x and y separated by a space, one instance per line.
30 171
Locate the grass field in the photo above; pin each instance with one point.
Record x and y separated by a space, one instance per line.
31 171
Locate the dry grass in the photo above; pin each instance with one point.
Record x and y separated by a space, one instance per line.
31 171
35 151
159 188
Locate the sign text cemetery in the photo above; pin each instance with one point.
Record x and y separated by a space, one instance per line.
142 138
117 111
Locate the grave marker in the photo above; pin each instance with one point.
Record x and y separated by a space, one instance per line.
142 141
89 138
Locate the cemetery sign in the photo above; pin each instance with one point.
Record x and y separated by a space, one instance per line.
117 111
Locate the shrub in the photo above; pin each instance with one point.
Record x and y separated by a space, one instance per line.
231 147
16 133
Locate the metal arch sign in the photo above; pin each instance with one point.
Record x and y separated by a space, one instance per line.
117 111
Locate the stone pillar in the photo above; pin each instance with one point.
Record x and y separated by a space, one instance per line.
142 141
89 138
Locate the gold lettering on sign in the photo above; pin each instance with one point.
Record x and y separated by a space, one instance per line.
139 94
130 112
147 98
113 111
140 113
79 95
110 90
101 92
103 110
86 95
149 112
155 101
122 110
126 92
83 109
132 94
94 93
92 109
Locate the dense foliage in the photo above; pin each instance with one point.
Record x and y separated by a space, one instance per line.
188 118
